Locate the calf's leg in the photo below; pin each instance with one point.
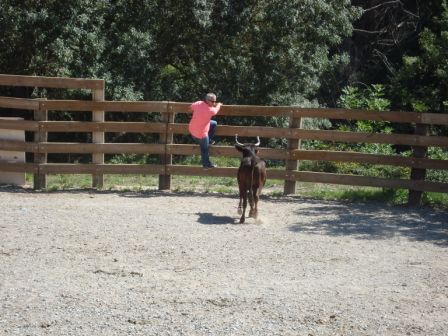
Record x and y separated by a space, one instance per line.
251 204
255 193
243 216
240 204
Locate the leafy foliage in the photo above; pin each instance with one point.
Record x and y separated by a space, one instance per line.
422 81
257 52
371 98
51 38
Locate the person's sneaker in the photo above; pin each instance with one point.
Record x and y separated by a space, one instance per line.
211 165
212 142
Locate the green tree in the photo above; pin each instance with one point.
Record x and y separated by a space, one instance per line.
129 59
421 83
251 52
51 38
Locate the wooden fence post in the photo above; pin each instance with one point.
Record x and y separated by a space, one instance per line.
291 165
418 174
166 138
98 137
40 179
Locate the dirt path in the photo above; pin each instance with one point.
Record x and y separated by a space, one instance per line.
92 263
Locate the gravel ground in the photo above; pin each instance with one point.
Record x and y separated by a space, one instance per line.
106 263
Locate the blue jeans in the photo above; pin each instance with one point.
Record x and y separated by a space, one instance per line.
205 142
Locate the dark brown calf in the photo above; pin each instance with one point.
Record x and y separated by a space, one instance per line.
251 178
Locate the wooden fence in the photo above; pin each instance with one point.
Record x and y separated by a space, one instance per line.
166 147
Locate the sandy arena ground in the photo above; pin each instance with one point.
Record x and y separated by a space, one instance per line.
116 263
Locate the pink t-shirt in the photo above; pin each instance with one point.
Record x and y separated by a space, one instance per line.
200 122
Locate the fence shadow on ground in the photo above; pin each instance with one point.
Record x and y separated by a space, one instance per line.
367 221
120 193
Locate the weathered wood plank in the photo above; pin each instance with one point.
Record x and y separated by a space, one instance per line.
109 106
292 164
329 113
19 167
243 110
40 179
51 82
221 172
106 148
353 137
107 126
324 135
19 146
228 151
26 125
369 181
19 103
57 168
355 114
199 171
315 155
396 160
243 131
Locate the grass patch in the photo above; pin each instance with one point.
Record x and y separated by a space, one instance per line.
357 194
131 182
225 185
111 182
435 200
68 181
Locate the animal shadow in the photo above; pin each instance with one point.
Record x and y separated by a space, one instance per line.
211 219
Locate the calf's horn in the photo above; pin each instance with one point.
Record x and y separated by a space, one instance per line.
236 140
258 143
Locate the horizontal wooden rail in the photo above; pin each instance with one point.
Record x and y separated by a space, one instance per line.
227 151
225 130
353 114
368 181
265 153
106 126
328 113
19 103
303 176
244 131
18 146
226 110
108 106
58 168
324 135
394 139
25 125
17 167
199 171
51 82
397 160
106 148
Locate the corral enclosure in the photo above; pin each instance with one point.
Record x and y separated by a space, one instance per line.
167 127
162 263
